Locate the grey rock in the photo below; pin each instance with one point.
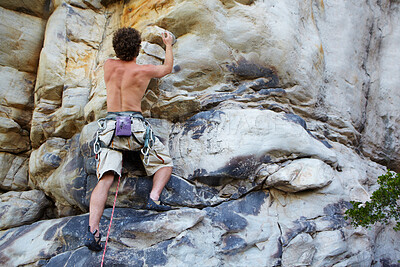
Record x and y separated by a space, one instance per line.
22 37
19 208
256 88
41 8
14 172
233 137
301 174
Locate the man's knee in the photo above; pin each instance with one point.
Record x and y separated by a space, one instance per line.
165 170
107 179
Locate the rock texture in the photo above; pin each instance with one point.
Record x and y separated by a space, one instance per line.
14 172
302 174
22 37
276 115
19 208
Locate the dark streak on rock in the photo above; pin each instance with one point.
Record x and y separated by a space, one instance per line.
241 167
50 233
180 192
251 204
325 143
227 218
248 70
233 244
157 256
72 12
228 214
334 214
73 232
301 225
213 100
51 160
201 121
296 119
184 241
299 120
273 91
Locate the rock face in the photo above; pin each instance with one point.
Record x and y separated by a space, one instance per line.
18 208
302 174
276 115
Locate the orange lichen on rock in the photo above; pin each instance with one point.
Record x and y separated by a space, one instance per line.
143 13
319 63
81 62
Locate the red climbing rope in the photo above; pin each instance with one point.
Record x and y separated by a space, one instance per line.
109 227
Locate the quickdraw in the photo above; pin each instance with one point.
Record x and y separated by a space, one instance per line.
148 144
97 143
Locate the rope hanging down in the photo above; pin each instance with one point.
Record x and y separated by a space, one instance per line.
109 227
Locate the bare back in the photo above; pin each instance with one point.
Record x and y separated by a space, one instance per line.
126 83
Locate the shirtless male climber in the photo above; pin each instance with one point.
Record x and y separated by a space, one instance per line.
124 127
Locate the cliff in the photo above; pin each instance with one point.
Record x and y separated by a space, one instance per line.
277 114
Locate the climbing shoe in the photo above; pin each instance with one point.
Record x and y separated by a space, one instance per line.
156 205
92 241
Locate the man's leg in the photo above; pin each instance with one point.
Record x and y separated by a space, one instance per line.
98 200
160 179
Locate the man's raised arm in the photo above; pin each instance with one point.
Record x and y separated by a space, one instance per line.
159 71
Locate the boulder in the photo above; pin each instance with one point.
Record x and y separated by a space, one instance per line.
41 8
46 159
16 95
19 208
22 37
134 230
57 169
14 172
13 138
301 174
329 244
61 93
246 231
233 143
299 252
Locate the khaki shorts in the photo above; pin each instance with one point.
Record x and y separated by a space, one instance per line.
110 157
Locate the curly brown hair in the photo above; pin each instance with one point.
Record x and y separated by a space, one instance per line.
126 43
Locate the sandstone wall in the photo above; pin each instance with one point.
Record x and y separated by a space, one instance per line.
277 114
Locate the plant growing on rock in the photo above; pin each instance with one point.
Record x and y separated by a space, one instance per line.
383 206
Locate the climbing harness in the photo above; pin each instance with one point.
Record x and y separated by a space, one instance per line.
109 227
149 138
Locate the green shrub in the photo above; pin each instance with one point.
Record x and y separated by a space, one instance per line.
383 206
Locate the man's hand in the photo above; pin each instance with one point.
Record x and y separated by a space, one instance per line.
158 71
167 38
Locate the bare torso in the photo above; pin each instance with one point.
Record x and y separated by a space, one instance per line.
126 83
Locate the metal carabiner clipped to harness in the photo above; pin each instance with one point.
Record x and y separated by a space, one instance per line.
148 144
96 145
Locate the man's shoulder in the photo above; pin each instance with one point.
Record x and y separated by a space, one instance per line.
147 68
110 61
